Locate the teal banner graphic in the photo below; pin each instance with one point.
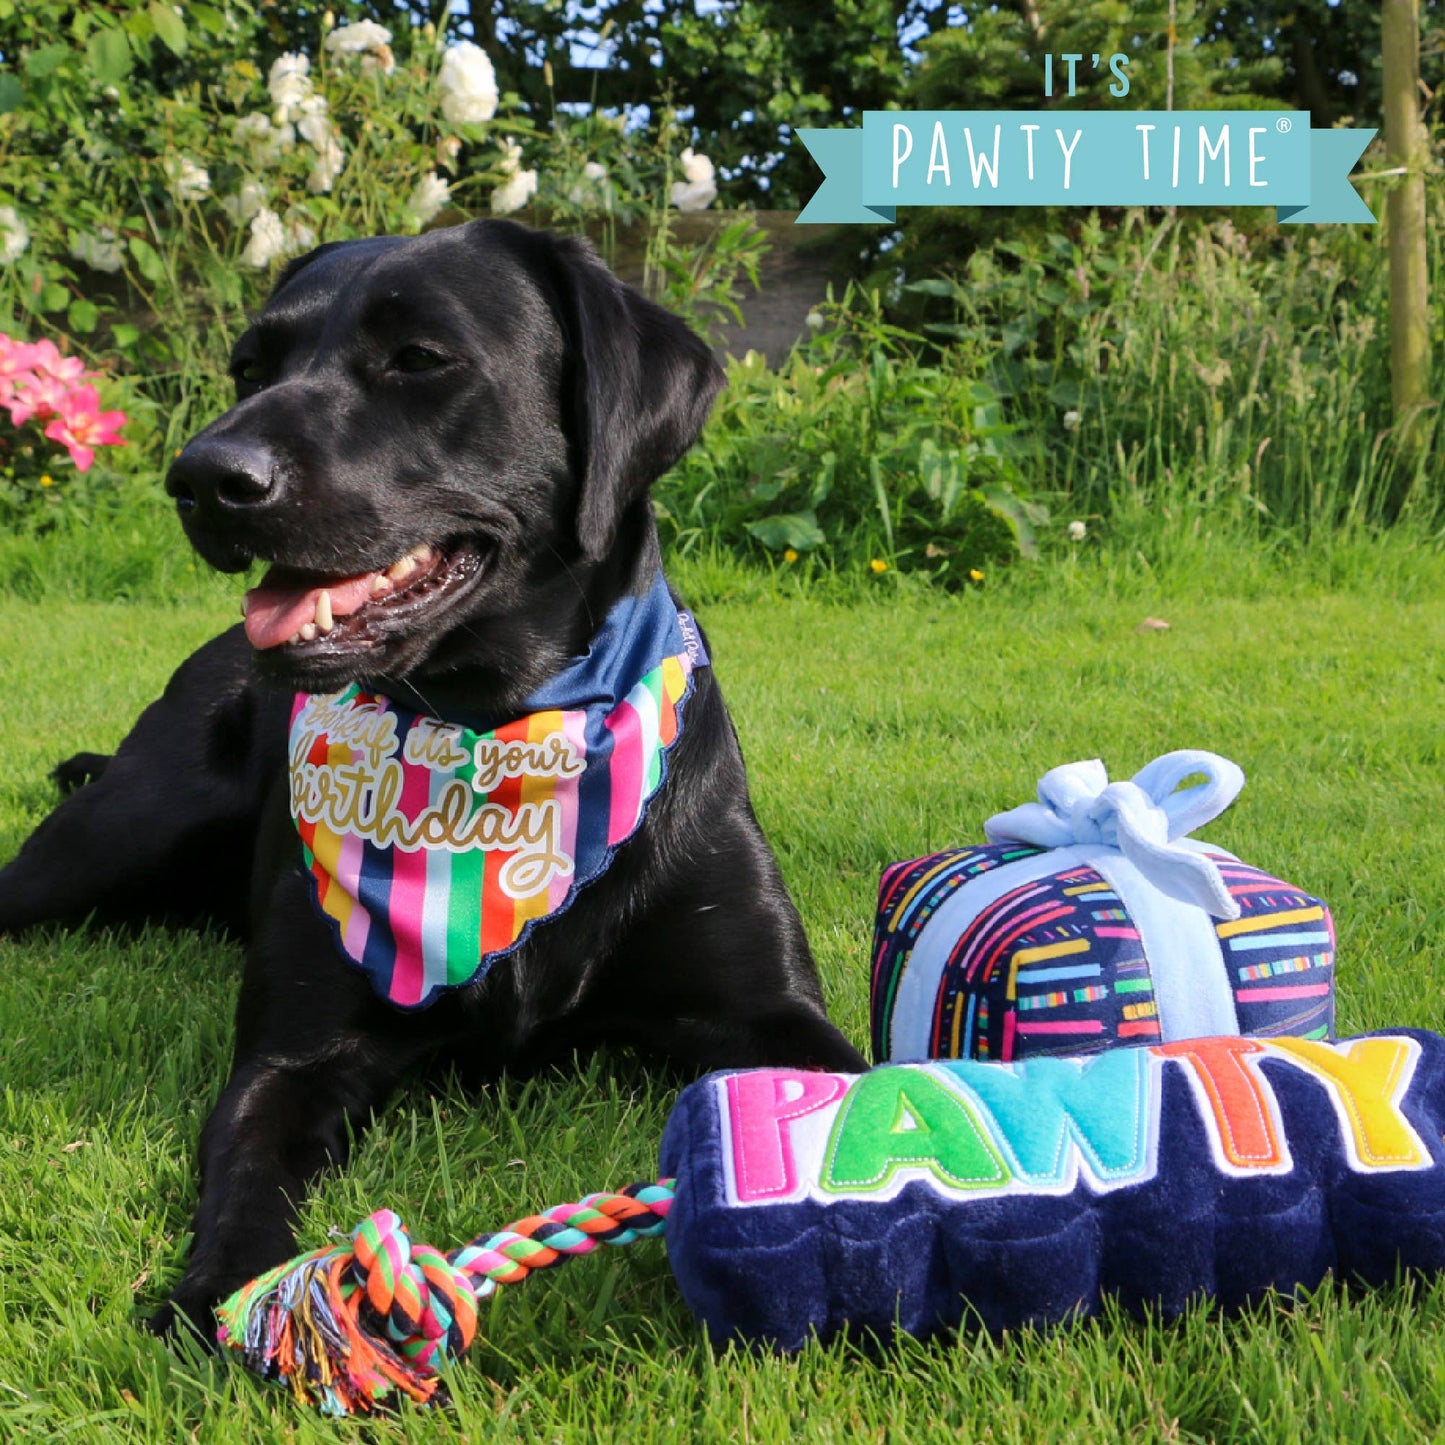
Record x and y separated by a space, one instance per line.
1085 158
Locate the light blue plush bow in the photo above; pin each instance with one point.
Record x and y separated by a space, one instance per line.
1141 818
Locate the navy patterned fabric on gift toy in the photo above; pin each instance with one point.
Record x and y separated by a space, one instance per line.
1090 920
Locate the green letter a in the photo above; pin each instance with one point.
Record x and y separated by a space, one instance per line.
903 1118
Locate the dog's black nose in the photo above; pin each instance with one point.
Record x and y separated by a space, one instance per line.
222 474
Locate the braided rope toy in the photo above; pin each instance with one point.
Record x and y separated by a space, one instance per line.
344 1327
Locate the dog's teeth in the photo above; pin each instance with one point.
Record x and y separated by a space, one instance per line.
404 566
308 632
324 621
293 639
379 585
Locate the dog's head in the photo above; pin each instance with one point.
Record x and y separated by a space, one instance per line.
442 445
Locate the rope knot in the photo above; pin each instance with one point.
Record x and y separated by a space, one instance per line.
428 1305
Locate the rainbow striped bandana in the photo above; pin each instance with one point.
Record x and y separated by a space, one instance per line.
435 847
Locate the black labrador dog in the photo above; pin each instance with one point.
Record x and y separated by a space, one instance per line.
470 421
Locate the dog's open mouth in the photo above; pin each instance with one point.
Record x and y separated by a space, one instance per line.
318 613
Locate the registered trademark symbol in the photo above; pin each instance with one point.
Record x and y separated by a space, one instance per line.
1284 125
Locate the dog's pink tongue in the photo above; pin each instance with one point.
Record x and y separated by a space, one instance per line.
275 612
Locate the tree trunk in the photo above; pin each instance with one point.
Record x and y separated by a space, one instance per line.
1309 83
1405 211
484 24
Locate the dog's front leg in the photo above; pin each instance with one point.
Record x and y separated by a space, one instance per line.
316 1053
276 1126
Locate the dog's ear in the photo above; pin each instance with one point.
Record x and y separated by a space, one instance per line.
639 389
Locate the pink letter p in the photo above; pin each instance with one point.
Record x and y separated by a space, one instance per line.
761 1103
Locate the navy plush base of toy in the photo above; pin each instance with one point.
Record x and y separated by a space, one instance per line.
1022 1252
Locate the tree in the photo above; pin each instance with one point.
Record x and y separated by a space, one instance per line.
742 74
996 61
1409 147
1328 50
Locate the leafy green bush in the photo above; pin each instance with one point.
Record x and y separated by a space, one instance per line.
1180 372
859 452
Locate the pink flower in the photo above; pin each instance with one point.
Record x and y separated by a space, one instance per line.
38 396
46 360
17 358
82 426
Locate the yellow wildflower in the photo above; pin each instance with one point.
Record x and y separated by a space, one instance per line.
790 555
878 565
47 480
974 575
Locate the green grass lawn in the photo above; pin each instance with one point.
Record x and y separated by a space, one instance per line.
873 733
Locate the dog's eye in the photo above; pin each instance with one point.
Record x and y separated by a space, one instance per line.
417 358
248 373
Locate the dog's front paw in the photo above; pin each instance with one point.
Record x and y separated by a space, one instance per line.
75 772
189 1314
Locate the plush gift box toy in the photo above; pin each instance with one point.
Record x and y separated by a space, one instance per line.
1091 919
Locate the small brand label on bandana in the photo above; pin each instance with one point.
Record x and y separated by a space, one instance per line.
433 848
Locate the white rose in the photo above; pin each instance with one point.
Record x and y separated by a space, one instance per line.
592 188
272 140
381 59
14 235
698 188
515 193
189 180
268 239
246 202
330 162
359 36
318 132
289 83
431 194
696 168
101 251
299 236
511 156
315 129
468 84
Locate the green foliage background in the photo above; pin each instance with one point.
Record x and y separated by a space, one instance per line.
752 69
988 378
